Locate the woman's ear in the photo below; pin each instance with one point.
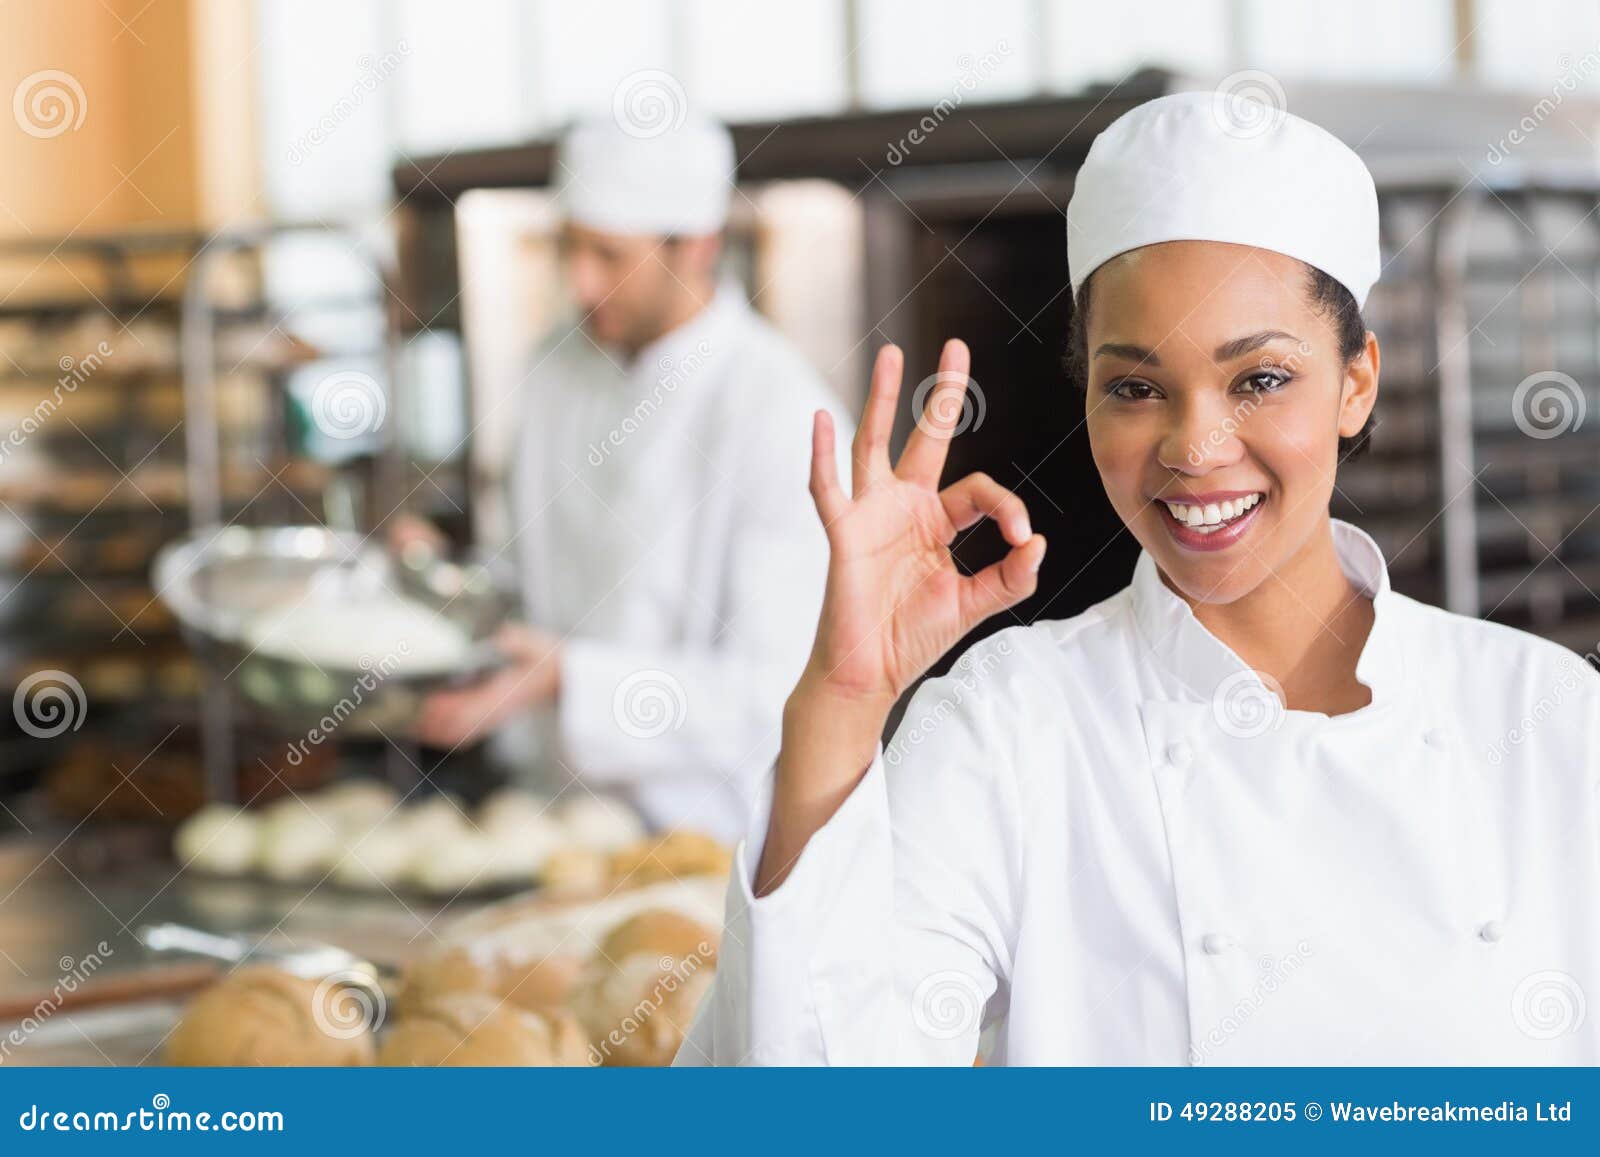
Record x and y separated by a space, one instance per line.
1360 389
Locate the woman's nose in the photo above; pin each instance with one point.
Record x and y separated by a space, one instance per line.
1201 435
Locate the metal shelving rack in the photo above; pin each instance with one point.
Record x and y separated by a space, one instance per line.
1482 505
202 319
204 296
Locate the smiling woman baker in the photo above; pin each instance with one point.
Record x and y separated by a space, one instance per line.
1257 807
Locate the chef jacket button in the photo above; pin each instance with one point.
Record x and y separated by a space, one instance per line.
1214 943
1491 932
1179 754
1433 737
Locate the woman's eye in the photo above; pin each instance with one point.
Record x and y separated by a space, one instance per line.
1265 383
1134 391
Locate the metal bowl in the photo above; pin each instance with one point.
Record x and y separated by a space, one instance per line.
219 580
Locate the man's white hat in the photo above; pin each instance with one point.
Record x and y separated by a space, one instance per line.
1219 166
672 176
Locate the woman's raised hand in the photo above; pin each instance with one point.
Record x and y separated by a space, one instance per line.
895 601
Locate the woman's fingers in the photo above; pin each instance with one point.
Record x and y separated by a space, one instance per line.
1007 582
976 497
929 443
870 452
825 492
1002 584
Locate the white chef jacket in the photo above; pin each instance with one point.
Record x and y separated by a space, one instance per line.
662 525
1089 841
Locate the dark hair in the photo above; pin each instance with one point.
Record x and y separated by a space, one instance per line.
1327 295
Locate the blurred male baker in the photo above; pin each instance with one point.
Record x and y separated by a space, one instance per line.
671 562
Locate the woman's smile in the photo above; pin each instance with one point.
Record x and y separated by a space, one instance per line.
1211 521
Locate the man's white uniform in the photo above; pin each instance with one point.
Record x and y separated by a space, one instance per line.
664 527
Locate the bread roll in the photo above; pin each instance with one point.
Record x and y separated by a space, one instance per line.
575 872
465 1029
260 1015
539 984
639 992
661 932
670 857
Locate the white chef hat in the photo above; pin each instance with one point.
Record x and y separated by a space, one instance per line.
622 175
1219 166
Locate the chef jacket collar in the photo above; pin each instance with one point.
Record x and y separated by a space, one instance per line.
1201 662
680 351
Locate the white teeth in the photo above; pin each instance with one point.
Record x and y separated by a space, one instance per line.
1213 514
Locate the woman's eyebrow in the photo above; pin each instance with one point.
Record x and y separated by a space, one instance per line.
1240 346
1133 353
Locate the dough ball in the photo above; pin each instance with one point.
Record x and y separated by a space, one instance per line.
525 832
513 809
297 842
514 861
359 805
475 1029
537 984
639 992
218 838
574 872
433 818
600 823
673 856
259 1015
454 862
378 859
